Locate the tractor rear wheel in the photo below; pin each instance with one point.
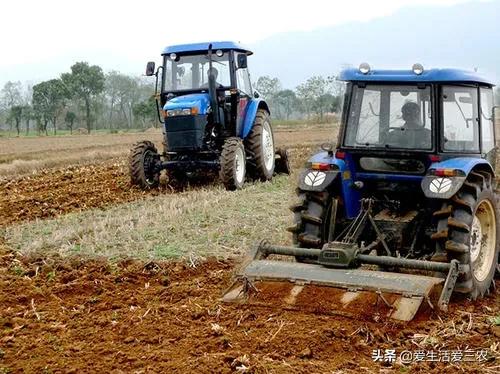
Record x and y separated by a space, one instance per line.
142 162
467 231
260 145
315 220
233 164
283 162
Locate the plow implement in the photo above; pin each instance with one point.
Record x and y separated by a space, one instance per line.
339 280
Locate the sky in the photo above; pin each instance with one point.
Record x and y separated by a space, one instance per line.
41 39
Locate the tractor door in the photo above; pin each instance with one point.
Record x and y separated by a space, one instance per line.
245 94
487 126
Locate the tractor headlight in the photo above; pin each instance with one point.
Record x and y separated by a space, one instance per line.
182 112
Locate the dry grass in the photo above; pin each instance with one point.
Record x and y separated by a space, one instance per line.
22 156
196 223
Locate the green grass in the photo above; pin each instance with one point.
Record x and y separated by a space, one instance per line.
197 223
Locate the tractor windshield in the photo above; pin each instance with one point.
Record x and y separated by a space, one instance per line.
191 72
389 116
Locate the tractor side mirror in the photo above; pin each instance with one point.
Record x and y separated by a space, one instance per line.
150 68
242 61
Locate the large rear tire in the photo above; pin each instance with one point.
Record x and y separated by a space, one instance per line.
315 220
282 164
142 165
467 231
260 145
233 164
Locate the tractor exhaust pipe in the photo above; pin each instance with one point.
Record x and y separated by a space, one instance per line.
212 89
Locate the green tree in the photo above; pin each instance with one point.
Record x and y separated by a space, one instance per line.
15 116
146 111
49 101
288 101
28 115
268 86
122 93
70 119
10 95
84 83
316 95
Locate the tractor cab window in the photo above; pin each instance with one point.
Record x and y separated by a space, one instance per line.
243 80
460 119
191 72
387 116
487 130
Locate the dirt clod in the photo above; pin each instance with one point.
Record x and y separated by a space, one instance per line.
306 353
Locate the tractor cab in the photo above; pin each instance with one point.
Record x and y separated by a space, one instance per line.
213 120
204 92
399 121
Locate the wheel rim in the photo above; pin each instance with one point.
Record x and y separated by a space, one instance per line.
148 162
239 159
268 146
483 240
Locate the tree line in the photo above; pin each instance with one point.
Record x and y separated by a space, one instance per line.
85 98
317 98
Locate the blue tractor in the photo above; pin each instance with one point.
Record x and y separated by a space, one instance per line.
213 119
410 185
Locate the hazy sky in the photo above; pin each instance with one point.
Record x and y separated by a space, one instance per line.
41 39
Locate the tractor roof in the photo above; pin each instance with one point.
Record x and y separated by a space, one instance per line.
403 76
201 47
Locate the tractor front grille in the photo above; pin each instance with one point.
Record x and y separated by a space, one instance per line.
185 133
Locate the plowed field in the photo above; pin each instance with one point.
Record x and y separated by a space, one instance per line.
89 316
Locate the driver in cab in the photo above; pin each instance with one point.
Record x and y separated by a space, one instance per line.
215 73
412 134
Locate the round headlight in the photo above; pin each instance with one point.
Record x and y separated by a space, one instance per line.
173 56
219 53
364 68
417 69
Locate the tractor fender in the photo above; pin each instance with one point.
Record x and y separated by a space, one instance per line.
251 112
341 170
319 180
316 180
444 187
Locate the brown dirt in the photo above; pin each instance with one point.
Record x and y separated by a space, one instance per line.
78 315
53 192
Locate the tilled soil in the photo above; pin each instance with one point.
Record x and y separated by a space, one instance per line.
78 315
53 192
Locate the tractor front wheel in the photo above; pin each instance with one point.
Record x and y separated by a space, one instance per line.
467 231
233 164
260 144
142 161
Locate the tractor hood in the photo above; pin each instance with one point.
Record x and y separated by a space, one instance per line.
201 101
